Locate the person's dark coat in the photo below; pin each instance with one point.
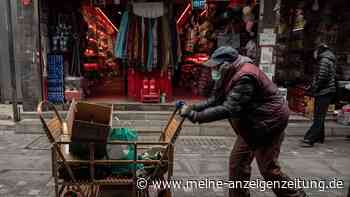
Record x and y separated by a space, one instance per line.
324 80
248 96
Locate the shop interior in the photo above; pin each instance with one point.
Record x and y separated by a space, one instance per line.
201 31
122 51
83 37
301 24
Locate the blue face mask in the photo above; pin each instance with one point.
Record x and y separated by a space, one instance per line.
216 75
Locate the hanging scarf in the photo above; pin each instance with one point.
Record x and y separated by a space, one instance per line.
136 40
139 42
155 44
143 44
131 36
150 45
166 43
120 44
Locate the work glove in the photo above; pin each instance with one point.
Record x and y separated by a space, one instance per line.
188 113
179 104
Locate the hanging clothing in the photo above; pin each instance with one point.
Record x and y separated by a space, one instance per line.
174 42
166 42
149 9
121 36
143 44
155 44
150 45
138 41
135 41
131 37
251 49
125 46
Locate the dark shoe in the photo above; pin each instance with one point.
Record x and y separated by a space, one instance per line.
307 143
321 140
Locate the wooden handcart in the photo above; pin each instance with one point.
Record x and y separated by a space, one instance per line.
59 139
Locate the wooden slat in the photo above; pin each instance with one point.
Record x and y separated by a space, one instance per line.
170 130
89 190
55 127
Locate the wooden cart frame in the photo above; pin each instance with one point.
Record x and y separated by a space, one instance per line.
58 138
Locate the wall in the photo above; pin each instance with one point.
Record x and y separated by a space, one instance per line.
26 54
5 75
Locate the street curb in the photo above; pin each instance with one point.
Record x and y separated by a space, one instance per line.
333 129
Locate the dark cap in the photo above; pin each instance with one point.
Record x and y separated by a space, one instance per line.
221 55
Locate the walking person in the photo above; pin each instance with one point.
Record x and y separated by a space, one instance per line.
323 88
257 112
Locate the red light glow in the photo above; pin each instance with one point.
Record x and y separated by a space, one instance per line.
183 13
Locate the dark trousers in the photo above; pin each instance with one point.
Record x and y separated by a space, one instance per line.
267 160
316 131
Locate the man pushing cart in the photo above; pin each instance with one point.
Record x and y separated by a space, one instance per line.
257 112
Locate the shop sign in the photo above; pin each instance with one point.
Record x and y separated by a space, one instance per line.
268 69
198 4
267 38
266 55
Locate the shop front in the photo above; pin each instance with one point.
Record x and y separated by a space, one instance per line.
301 24
119 51
202 28
105 50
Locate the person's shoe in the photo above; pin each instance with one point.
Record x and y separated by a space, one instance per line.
307 143
310 143
321 140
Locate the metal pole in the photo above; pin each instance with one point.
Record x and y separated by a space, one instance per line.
40 52
12 63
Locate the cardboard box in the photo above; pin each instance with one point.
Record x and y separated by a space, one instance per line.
309 107
89 122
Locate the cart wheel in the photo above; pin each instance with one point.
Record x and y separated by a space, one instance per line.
71 194
164 193
143 193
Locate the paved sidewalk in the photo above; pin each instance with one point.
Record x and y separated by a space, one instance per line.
25 164
5 112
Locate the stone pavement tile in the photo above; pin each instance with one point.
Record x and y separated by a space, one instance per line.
25 183
25 171
5 112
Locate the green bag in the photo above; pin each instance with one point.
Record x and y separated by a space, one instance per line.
122 152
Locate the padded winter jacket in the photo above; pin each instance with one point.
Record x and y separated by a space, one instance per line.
252 99
324 81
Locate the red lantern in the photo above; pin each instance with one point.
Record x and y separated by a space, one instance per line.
26 2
